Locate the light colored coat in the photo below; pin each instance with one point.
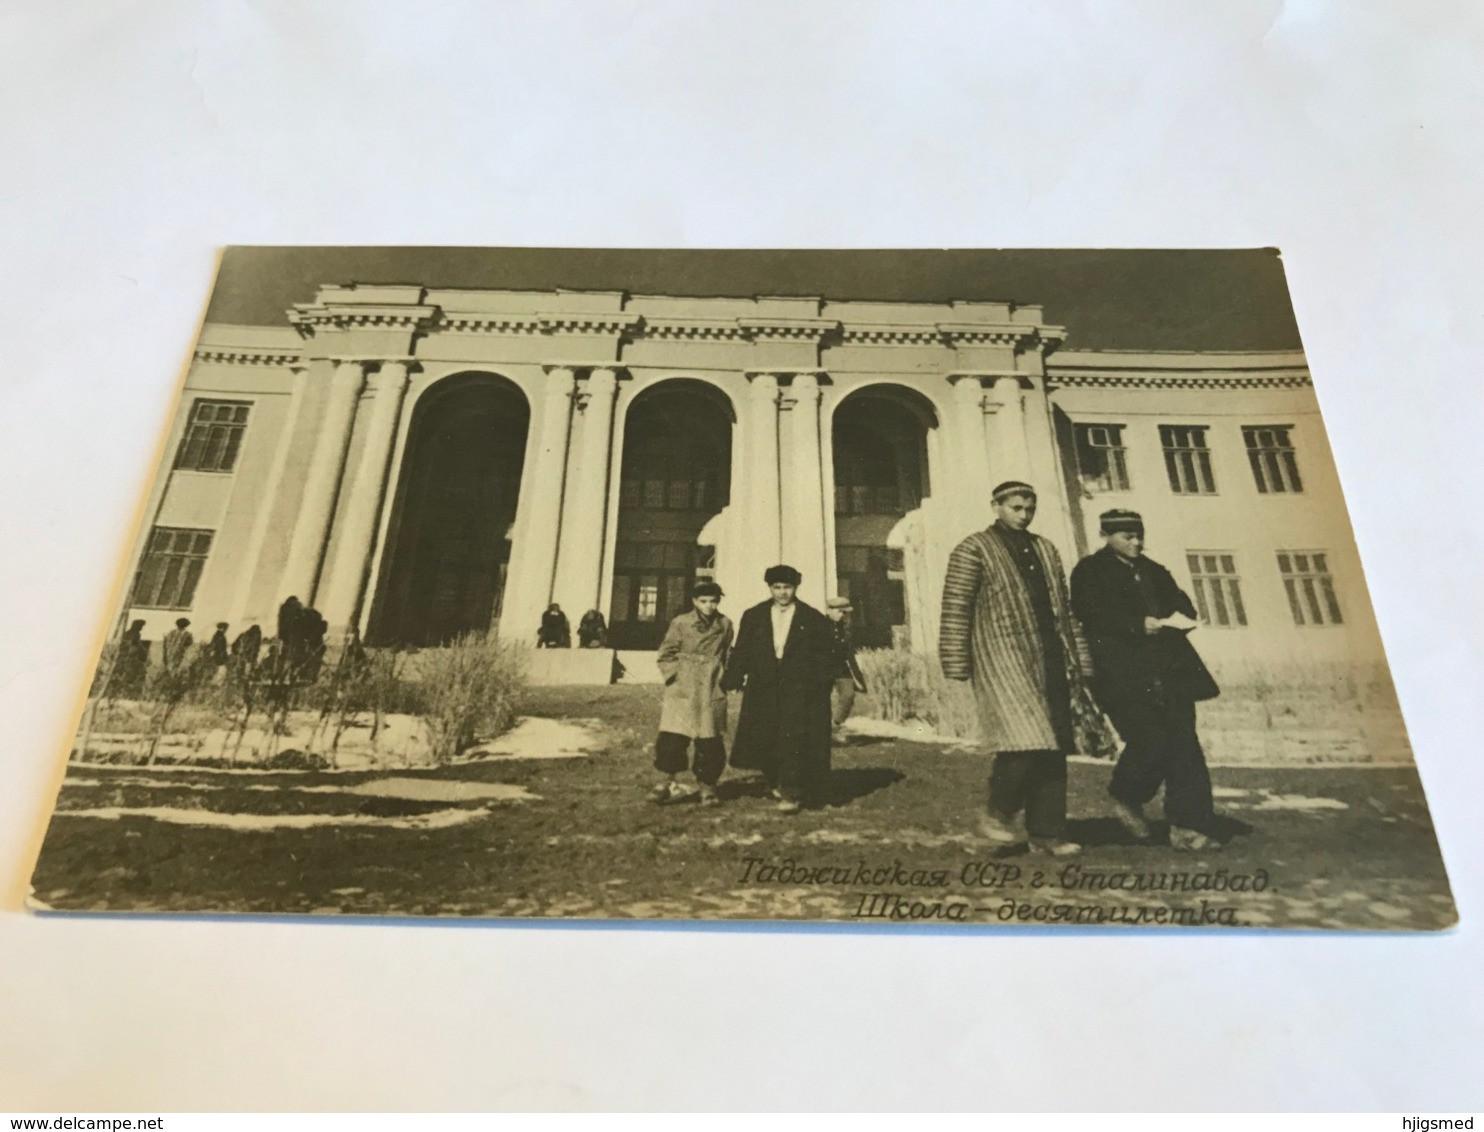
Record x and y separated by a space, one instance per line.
692 657
989 635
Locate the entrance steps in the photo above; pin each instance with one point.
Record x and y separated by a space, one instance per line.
637 666
570 666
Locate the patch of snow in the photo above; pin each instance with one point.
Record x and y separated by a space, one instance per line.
1298 802
438 819
535 737
430 790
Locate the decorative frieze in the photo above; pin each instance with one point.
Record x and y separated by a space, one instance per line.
1180 380
246 356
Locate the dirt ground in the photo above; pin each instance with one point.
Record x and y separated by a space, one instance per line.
514 836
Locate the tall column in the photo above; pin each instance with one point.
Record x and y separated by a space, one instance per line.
345 578
580 557
803 503
272 500
1054 516
761 527
1012 454
312 528
532 572
973 454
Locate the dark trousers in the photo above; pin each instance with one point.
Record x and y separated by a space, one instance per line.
672 756
1033 781
1161 748
803 770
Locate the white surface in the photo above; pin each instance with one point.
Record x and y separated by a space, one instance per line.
136 138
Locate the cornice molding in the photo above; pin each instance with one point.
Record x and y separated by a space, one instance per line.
245 356
309 318
1179 381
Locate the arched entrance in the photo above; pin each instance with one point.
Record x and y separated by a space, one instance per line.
677 460
881 474
448 546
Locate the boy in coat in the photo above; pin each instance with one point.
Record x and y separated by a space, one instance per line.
692 659
785 663
1149 679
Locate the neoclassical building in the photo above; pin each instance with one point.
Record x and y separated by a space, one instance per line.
421 462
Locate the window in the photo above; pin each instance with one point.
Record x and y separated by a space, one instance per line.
649 599
1311 588
213 436
1270 451
1218 590
1102 463
172 565
1187 459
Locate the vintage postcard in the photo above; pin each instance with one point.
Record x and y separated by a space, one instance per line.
908 588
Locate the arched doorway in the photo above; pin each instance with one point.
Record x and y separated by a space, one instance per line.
449 540
881 474
677 460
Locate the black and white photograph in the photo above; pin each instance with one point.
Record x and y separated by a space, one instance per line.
902 588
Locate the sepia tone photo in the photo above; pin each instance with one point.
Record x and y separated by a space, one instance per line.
896 588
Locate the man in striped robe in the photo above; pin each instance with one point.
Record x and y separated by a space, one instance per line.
1007 626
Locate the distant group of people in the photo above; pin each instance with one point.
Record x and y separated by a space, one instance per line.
1049 662
556 631
294 655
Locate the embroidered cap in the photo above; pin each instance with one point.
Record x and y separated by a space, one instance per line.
1011 488
1117 520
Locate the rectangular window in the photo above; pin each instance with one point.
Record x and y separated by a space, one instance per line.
654 494
1270 452
630 496
1102 462
1187 459
1310 586
1218 590
679 499
213 436
649 599
173 560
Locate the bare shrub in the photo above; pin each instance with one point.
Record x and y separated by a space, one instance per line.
469 691
907 686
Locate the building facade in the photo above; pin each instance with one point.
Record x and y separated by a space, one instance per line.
419 463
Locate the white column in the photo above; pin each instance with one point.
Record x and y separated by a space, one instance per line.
271 500
1054 513
312 528
580 556
973 475
532 572
761 527
1011 458
803 501
346 575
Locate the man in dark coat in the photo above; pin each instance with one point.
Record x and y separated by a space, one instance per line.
555 631
132 663
1149 679
245 649
592 630
784 661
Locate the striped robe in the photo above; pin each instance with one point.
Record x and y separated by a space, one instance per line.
989 635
